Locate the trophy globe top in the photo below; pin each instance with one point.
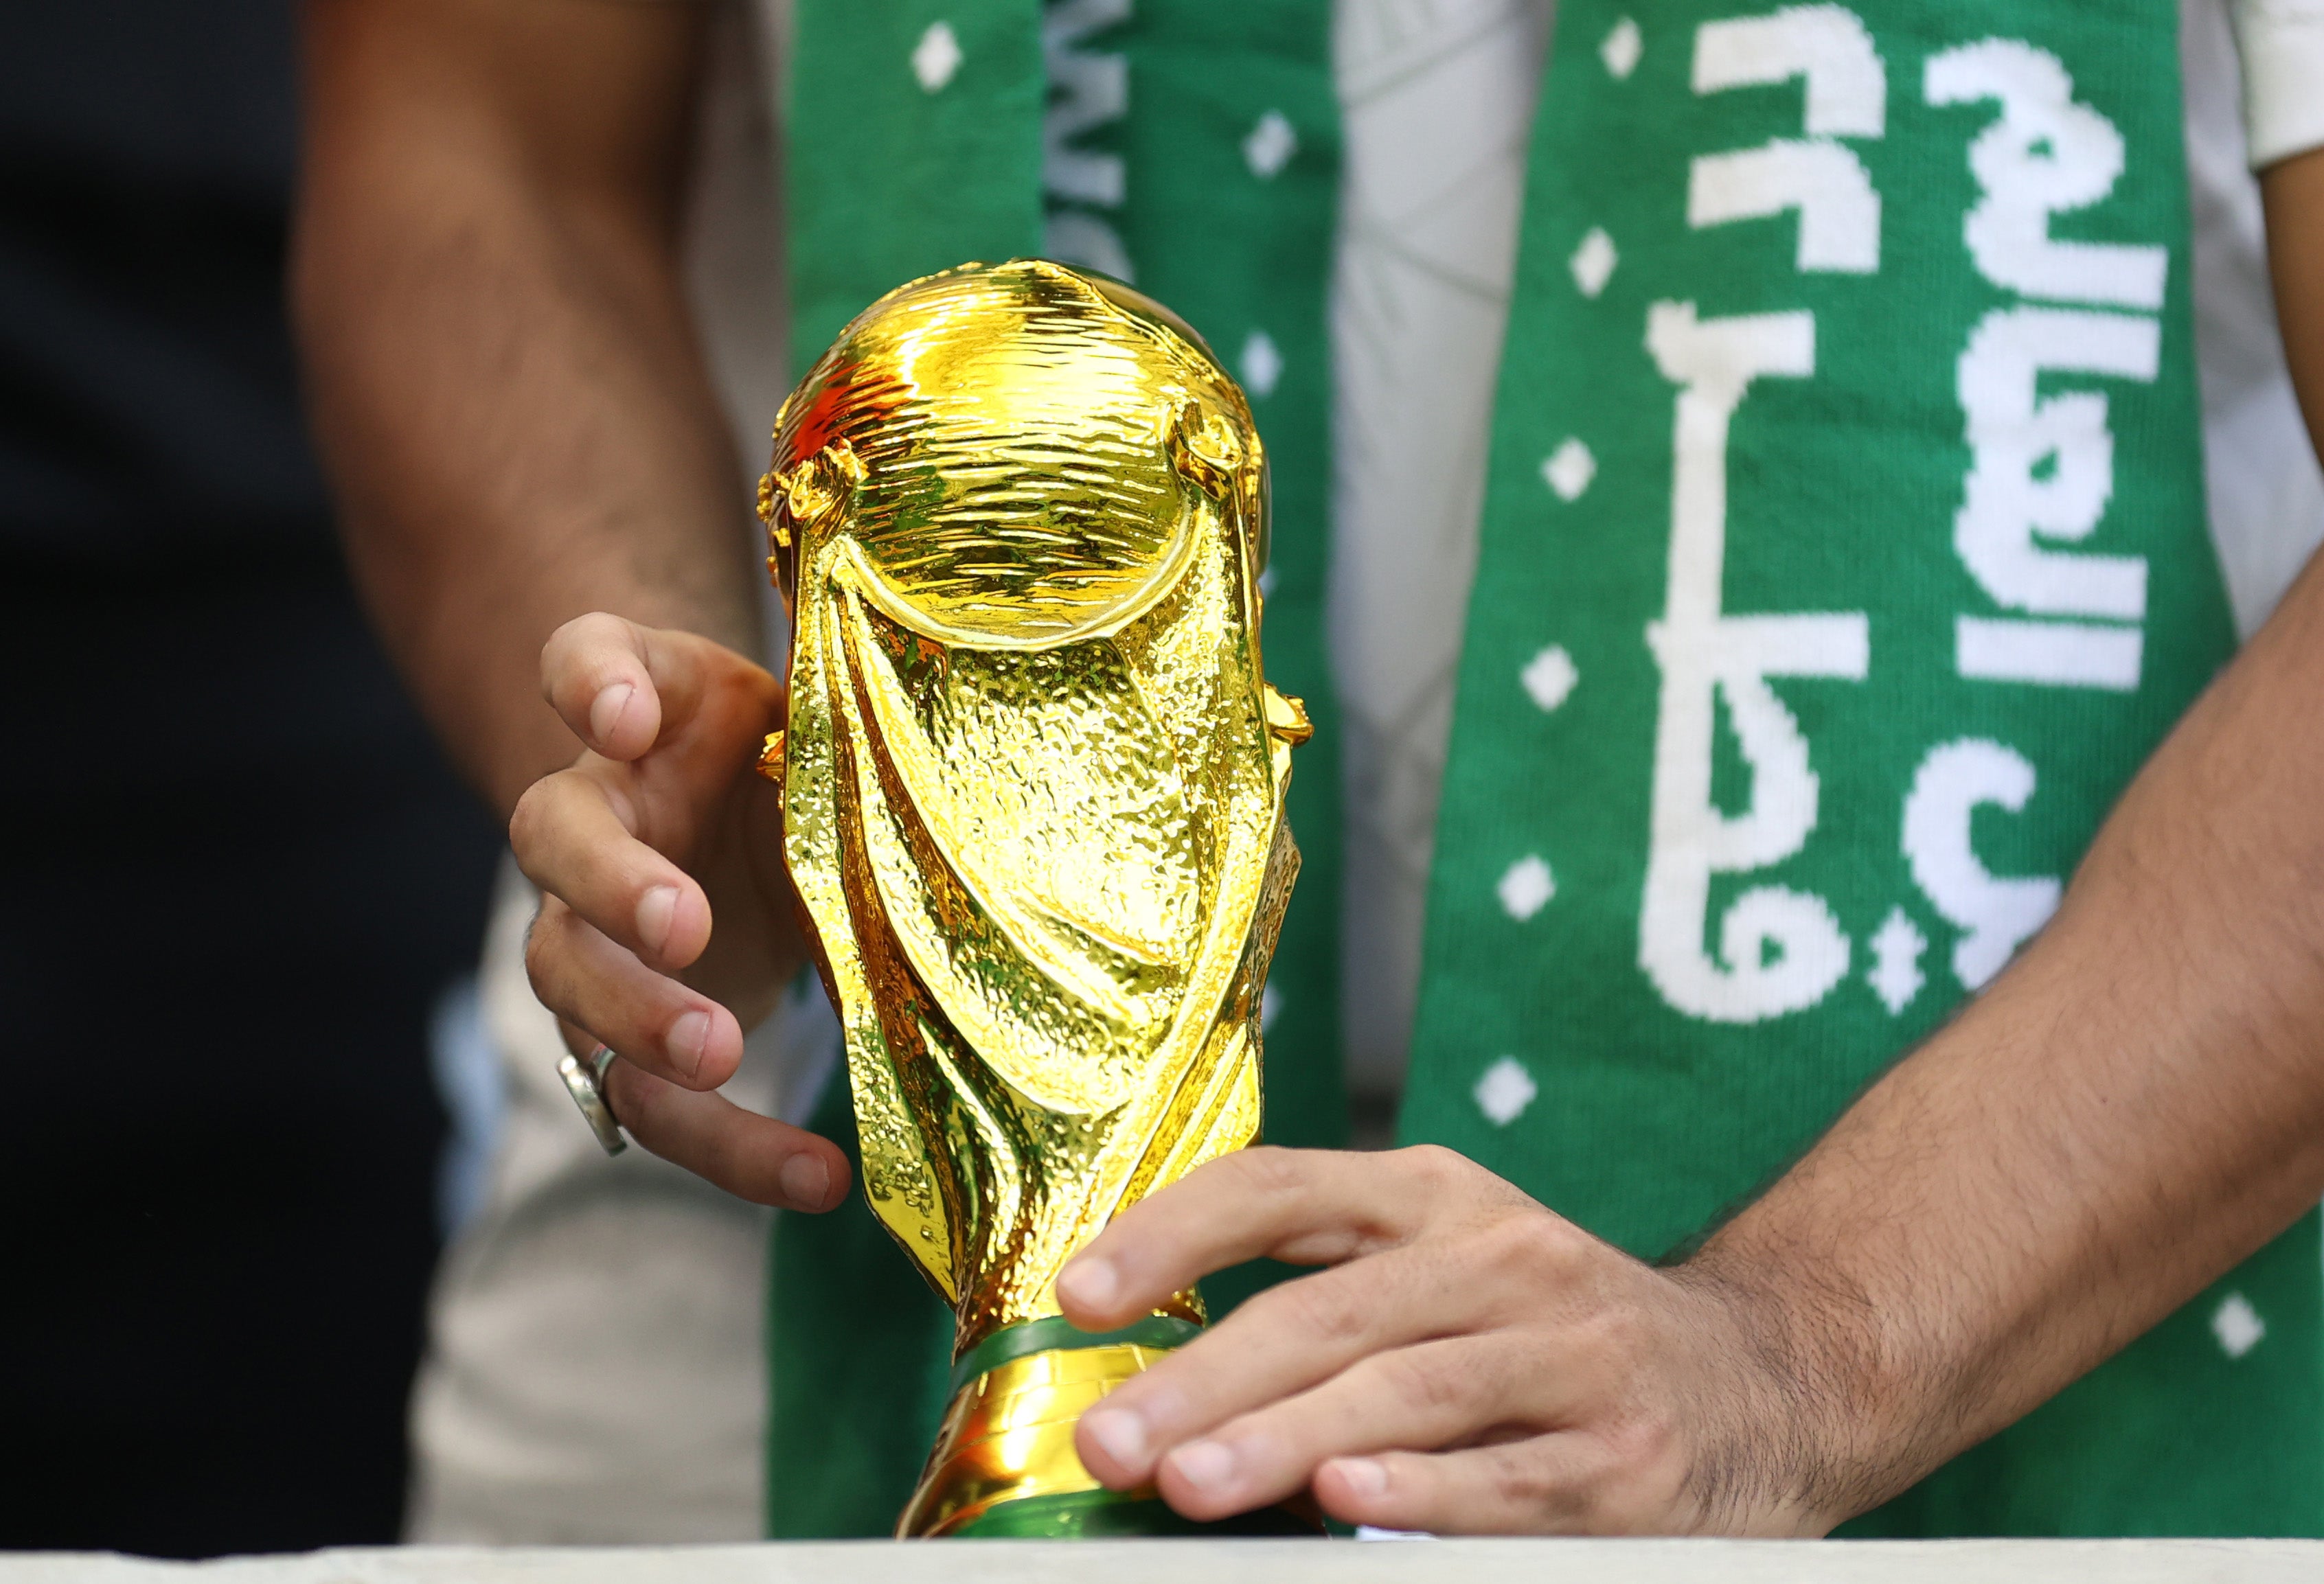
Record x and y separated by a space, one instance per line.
1017 455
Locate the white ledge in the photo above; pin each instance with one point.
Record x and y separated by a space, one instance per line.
1259 1561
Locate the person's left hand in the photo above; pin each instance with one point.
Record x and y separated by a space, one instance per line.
1472 1363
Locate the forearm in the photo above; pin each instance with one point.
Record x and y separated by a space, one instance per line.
502 376
2293 191
2135 1105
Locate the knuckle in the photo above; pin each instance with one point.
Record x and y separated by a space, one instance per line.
1641 1444
1618 1333
720 1158
1535 1245
1323 1309
1271 1169
1540 1491
624 808
540 952
1596 1343
528 818
643 1105
596 629
1434 1165
1518 1476
1424 1379
1620 1492
557 654
584 655
536 818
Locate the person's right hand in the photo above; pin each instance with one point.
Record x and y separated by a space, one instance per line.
661 825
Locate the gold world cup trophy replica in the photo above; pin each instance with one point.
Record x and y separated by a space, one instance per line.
1033 781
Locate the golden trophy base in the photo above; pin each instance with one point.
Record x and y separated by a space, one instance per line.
1004 1465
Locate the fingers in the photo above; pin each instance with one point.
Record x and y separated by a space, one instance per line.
648 1018
684 715
1309 1207
751 1156
572 839
671 719
611 681
1434 1394
1187 1412
1545 1485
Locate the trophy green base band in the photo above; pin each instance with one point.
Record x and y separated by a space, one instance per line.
1004 1465
1106 1515
1055 1333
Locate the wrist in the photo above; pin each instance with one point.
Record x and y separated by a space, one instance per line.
1799 1419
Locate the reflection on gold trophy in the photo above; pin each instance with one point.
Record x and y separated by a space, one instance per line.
1033 784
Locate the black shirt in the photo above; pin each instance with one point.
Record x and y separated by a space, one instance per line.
238 878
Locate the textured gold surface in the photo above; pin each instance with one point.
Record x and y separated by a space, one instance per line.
1010 1434
1033 775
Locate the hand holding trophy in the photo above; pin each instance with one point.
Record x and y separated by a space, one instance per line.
1033 781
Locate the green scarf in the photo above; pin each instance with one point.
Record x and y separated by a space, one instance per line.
1844 556
1190 148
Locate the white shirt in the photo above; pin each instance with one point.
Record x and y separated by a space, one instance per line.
2283 72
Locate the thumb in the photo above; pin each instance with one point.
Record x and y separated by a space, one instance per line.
599 673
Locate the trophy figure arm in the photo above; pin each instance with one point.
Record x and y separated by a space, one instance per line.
905 1180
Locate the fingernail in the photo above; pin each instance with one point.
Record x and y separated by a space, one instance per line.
1364 1476
1089 1282
657 910
605 709
689 1037
1206 1465
1121 1432
805 1180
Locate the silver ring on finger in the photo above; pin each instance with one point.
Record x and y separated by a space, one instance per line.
584 1081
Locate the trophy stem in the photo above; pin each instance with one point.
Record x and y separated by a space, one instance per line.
1004 1465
